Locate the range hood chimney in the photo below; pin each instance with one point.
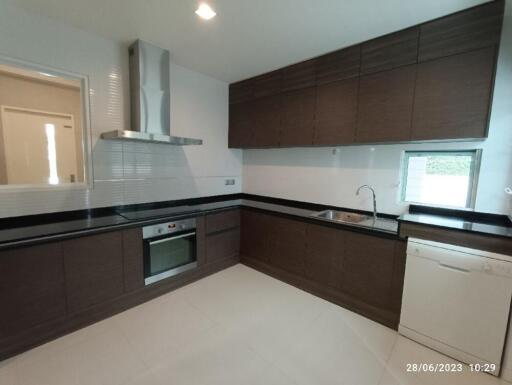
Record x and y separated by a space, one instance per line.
150 98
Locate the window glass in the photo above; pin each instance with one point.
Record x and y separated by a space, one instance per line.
441 178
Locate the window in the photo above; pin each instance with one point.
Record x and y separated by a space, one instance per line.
443 178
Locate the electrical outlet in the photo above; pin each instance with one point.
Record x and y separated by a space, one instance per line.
229 182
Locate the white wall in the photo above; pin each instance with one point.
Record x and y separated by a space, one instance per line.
316 175
125 173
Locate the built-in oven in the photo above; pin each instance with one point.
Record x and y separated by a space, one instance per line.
169 248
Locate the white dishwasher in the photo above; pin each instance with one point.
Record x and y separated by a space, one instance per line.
457 301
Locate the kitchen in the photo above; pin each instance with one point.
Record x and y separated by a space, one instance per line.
198 209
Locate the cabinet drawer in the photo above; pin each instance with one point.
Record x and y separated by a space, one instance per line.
222 221
223 245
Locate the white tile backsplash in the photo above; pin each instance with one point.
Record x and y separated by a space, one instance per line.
125 172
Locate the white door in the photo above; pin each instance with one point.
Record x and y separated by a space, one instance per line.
40 147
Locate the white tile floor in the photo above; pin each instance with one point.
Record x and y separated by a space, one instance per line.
235 327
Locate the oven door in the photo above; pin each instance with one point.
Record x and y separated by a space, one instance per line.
168 255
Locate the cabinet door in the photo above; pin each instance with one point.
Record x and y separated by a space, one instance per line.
324 255
31 287
298 117
298 104
464 31
336 112
385 106
368 268
94 269
224 245
266 122
339 65
453 96
240 124
289 244
390 51
254 238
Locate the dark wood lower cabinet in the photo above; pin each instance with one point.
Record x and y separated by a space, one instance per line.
223 245
288 244
325 254
368 268
52 289
361 272
32 288
223 236
94 269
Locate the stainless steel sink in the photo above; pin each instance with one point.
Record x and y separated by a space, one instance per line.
342 216
359 220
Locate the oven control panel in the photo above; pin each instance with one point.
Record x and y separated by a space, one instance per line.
168 228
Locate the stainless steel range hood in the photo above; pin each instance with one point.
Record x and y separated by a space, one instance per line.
150 98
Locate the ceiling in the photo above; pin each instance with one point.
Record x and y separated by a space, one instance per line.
248 37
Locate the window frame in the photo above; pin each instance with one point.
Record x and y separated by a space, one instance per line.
87 150
474 174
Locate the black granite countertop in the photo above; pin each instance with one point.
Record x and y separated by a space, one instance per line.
479 223
21 231
31 231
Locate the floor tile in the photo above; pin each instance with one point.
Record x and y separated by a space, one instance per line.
219 359
331 353
104 358
161 327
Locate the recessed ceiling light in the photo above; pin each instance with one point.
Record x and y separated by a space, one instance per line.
205 12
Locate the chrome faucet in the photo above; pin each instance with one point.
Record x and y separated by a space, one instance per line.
374 199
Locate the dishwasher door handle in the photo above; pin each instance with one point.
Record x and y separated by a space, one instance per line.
455 268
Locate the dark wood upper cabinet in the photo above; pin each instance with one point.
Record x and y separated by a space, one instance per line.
298 105
338 65
268 84
31 288
464 31
385 106
298 76
266 125
267 110
390 51
336 112
453 96
366 93
298 117
241 91
94 269
241 123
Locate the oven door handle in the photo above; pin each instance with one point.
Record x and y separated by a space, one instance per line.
172 238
